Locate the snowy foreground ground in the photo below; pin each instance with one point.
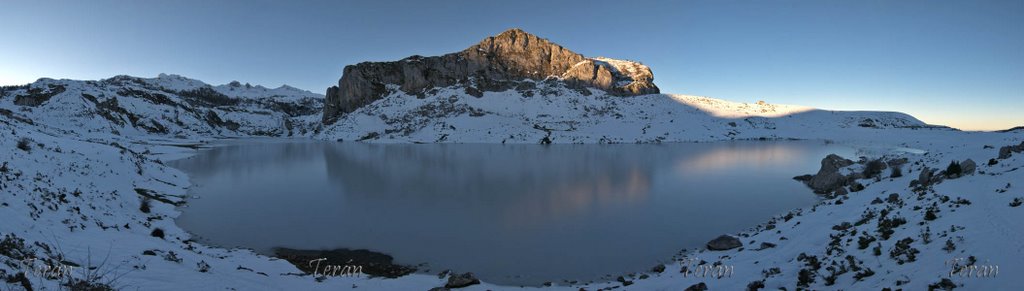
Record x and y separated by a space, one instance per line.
75 194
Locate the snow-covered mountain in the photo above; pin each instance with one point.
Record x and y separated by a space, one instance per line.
168 105
82 177
516 87
557 114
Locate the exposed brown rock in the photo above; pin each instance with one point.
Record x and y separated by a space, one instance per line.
497 63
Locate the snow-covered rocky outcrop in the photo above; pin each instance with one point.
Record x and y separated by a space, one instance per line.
513 59
168 106
552 113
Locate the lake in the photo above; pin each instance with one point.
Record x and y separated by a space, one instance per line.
511 214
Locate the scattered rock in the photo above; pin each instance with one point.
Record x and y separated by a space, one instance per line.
1006 151
856 187
624 281
697 287
841 191
755 285
968 166
372 263
724 242
828 178
461 280
924 179
944 284
658 269
157 233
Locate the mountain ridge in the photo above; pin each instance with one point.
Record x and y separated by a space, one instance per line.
497 63
167 105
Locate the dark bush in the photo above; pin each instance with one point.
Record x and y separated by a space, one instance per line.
145 205
954 170
158 233
25 144
896 172
873 168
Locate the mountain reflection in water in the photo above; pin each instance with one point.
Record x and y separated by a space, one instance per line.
512 214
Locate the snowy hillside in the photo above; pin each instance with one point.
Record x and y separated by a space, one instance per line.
168 106
562 115
83 184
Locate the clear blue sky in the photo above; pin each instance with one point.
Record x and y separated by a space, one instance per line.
958 63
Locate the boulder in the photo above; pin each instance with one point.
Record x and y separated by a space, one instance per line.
1006 151
856 187
724 242
461 280
658 269
828 178
497 63
841 191
697 287
968 166
925 177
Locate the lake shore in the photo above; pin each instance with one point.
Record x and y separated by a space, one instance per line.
87 188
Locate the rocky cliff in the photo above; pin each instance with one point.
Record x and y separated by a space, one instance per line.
497 63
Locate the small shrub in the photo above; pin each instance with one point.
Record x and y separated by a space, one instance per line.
950 246
944 284
145 205
865 241
172 257
157 233
861 275
25 144
929 214
806 277
902 252
873 168
886 226
954 170
203 266
896 172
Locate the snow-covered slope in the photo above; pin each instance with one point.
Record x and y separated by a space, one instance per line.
562 115
169 105
83 184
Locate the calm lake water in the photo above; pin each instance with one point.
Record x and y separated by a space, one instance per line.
512 214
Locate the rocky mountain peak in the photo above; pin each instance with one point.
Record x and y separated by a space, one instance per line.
497 63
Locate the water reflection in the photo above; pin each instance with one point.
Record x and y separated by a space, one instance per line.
513 214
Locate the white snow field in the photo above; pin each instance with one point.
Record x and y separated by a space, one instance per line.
75 171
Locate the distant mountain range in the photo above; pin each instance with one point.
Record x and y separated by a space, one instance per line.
168 105
510 88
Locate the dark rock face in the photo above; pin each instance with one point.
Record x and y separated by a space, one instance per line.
37 96
497 63
724 242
